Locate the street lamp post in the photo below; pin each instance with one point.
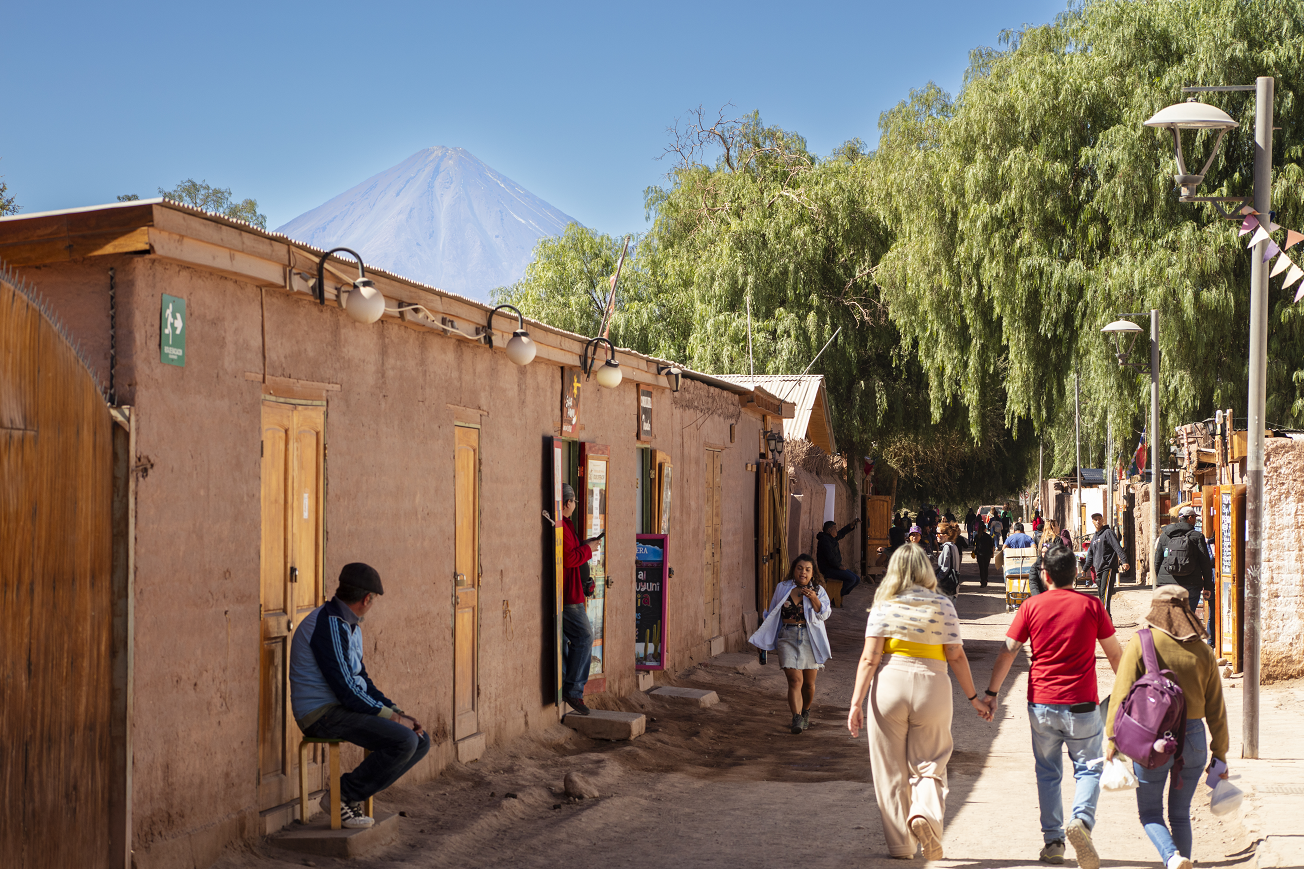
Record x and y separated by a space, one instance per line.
1118 329
1193 115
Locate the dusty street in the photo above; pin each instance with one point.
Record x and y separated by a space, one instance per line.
731 787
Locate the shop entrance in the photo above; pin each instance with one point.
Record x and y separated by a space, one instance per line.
293 472
591 519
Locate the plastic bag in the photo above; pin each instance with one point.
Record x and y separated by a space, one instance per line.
1117 775
1226 798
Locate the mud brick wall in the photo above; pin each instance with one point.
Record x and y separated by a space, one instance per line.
1282 655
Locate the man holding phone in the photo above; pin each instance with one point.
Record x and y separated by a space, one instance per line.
333 697
577 631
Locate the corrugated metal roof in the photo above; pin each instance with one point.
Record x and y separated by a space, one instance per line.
807 393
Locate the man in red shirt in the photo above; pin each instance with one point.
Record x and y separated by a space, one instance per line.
577 630
1064 626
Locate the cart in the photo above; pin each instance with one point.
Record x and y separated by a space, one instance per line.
1018 574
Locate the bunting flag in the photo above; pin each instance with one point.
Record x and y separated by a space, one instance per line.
1262 229
1250 224
1260 234
1270 251
1293 238
1283 262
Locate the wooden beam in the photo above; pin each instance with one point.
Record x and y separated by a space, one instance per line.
201 254
202 229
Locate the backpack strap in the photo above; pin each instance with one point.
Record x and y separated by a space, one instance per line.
1148 651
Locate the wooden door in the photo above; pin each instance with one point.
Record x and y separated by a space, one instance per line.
877 525
466 581
713 466
595 462
771 529
665 471
293 466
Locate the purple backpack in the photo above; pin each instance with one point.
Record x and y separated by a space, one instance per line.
1150 726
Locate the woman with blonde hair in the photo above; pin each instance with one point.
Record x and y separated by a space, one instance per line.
794 624
914 633
1050 535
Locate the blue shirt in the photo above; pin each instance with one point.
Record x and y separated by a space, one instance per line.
1018 540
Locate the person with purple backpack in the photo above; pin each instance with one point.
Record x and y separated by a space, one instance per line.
1063 626
1174 643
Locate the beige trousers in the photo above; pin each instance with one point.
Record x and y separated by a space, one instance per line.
909 745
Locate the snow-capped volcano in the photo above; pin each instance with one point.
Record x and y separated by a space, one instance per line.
441 217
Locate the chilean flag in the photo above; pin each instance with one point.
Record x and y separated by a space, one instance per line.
1139 457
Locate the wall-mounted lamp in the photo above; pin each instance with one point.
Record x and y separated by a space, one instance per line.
608 374
520 347
673 374
364 302
774 441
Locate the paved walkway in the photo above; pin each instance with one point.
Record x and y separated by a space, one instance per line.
729 786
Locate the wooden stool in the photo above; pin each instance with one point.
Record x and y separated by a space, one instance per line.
334 751
834 588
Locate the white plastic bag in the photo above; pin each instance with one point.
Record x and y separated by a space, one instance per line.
1117 775
1226 797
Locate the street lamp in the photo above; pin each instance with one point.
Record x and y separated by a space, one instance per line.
1182 117
1124 334
608 374
364 302
520 348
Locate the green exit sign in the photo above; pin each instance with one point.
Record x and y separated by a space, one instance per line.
172 331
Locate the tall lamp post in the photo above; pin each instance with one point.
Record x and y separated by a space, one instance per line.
1193 115
1117 330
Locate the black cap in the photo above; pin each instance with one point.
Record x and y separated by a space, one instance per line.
361 576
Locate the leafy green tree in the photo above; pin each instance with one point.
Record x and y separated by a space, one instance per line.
215 199
8 205
128 197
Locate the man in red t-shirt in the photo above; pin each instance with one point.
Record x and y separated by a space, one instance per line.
1064 626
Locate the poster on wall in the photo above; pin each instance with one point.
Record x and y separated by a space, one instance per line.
664 472
645 414
650 572
570 401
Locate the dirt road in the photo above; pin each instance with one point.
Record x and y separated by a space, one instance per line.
731 787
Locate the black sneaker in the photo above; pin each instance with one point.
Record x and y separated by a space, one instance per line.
352 815
796 724
805 720
577 704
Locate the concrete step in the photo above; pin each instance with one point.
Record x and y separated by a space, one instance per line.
601 724
737 662
318 838
698 697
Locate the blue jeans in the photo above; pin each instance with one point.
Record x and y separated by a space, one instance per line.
1150 795
576 649
1054 728
849 579
394 749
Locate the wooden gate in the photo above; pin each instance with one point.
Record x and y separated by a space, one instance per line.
771 529
713 468
56 595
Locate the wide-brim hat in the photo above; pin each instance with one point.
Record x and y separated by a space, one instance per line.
1170 612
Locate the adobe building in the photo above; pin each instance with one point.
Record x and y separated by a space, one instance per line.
276 438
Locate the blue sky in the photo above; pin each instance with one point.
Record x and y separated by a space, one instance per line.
293 103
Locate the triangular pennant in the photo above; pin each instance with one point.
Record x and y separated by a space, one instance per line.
1260 234
1271 250
1250 224
1248 209
1292 276
1283 262
1300 294
1293 238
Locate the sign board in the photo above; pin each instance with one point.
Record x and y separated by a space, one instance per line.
1229 584
650 574
645 414
172 331
570 402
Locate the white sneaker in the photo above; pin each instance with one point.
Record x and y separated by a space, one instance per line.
351 814
1177 861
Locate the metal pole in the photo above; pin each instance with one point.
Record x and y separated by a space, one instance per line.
1154 439
751 364
1077 440
1109 472
1263 111
1041 494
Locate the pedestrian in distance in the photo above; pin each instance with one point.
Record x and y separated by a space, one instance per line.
1178 639
829 555
794 625
915 535
1182 557
994 528
1106 557
903 672
948 559
577 629
1050 536
1018 540
1063 626
983 550
1038 523
332 696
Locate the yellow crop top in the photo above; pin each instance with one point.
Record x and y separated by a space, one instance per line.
910 649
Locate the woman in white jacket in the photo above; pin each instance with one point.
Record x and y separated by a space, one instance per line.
794 624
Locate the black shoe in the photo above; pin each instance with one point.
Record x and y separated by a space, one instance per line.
577 704
805 720
796 724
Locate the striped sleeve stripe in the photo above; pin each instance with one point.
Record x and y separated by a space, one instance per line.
342 659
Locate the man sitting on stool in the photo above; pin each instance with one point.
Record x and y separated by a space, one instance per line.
333 698
829 555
